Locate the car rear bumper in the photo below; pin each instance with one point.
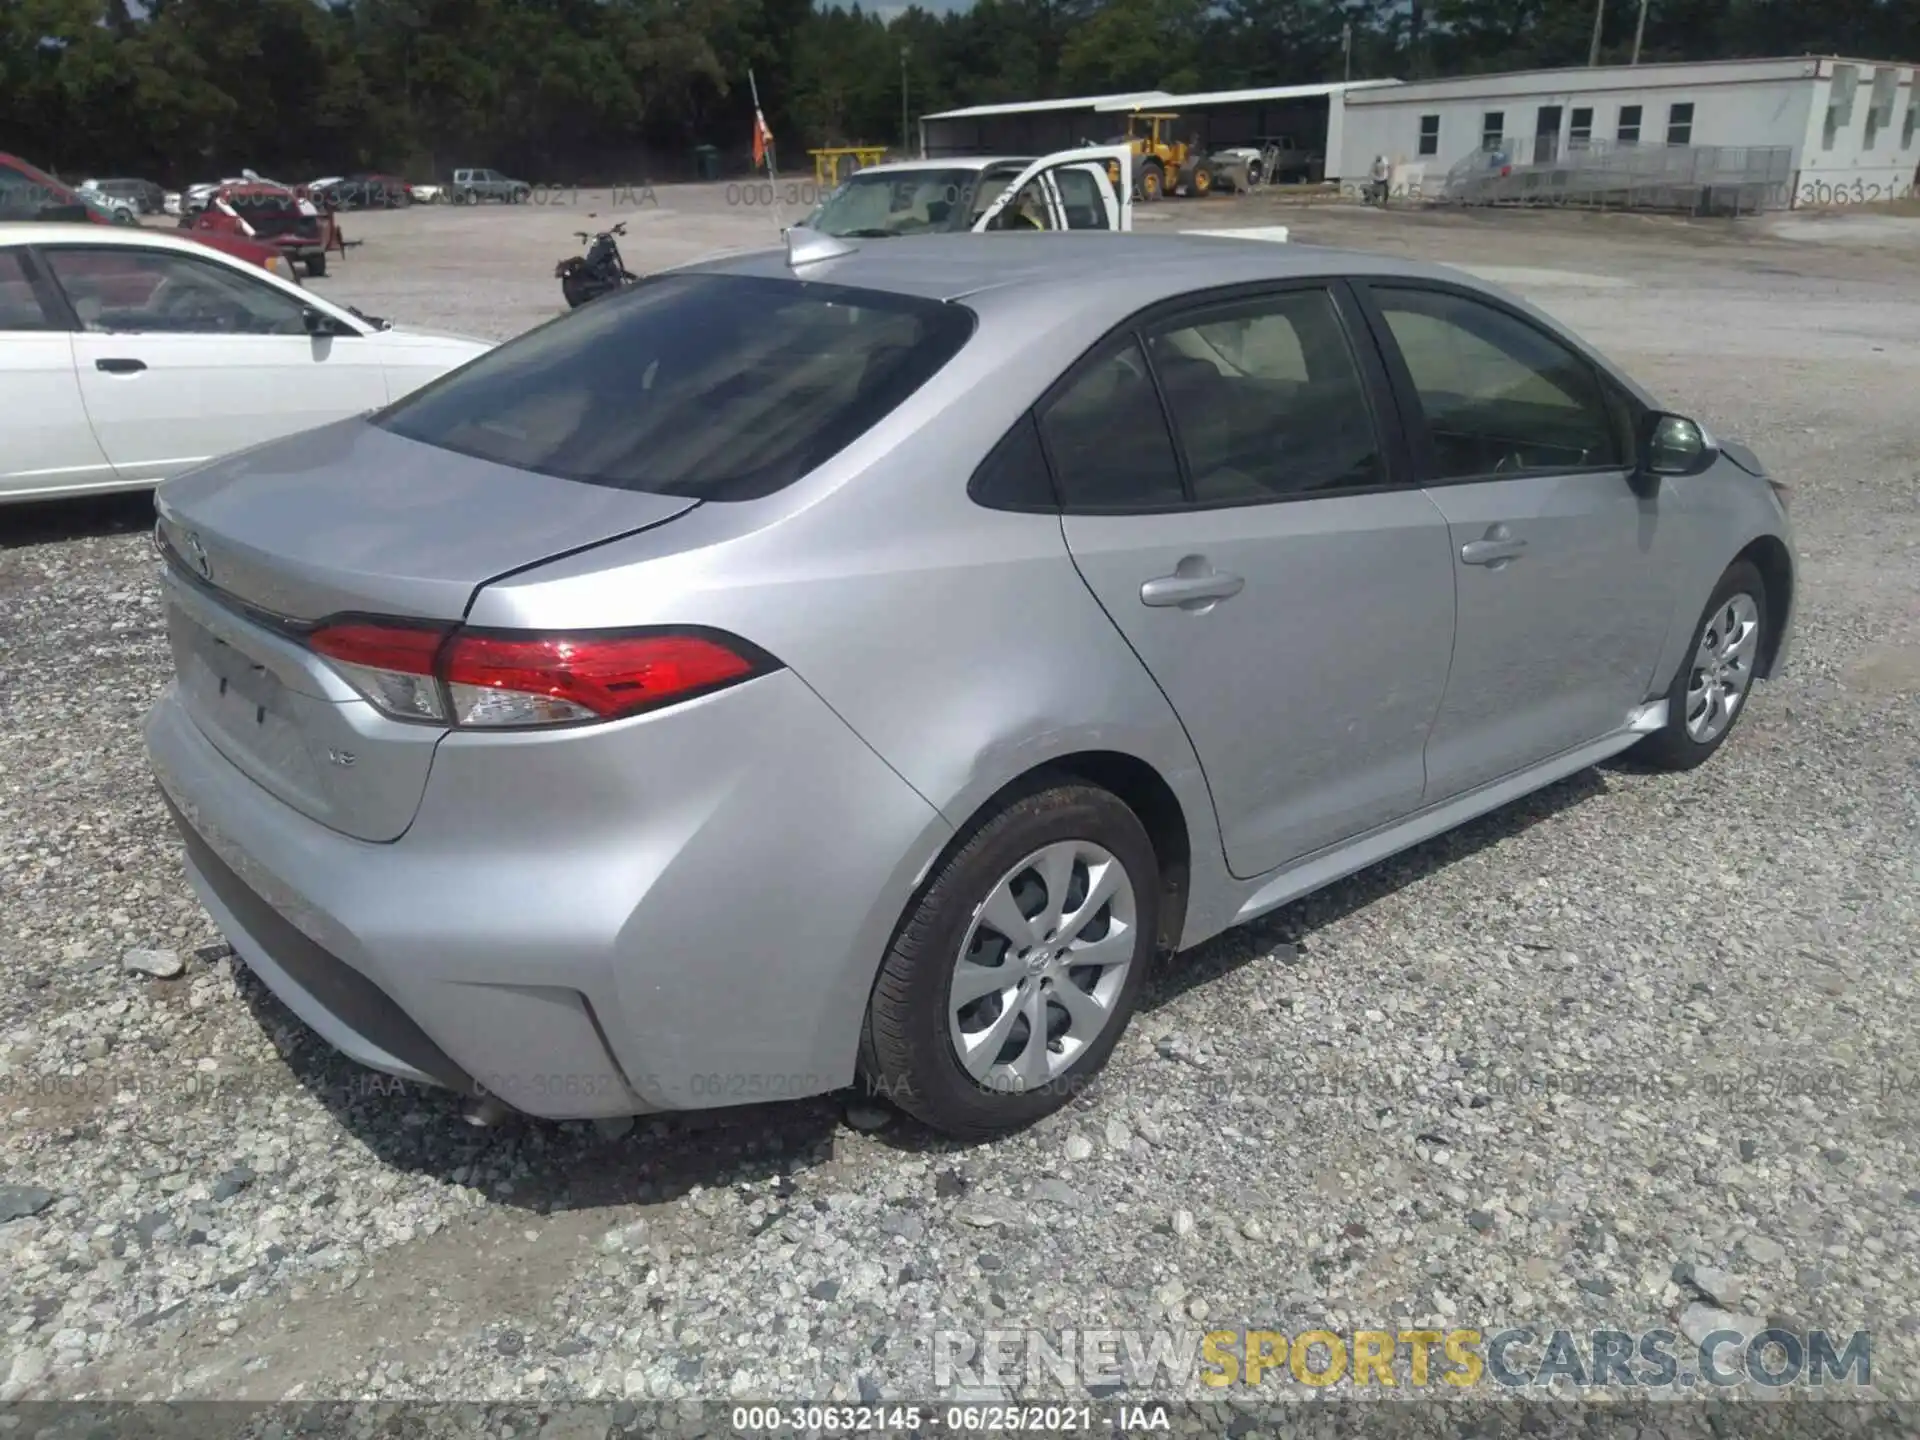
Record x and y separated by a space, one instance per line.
678 911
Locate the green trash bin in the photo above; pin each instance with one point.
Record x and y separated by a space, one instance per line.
706 162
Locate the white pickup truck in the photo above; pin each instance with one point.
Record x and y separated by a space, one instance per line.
1084 189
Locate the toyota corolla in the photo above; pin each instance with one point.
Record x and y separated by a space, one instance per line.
860 661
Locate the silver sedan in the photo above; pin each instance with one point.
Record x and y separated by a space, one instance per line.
860 662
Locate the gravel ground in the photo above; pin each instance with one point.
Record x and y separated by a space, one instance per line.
1634 1051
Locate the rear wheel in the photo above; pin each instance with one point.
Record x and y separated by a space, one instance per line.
1710 691
1200 180
1153 181
1017 969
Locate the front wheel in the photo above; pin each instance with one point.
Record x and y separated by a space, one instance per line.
1015 972
1710 691
317 265
1153 182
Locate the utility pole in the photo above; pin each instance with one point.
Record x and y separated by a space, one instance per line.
1639 33
906 142
1593 50
1346 49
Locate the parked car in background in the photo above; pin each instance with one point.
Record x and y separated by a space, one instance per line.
118 206
29 193
146 197
127 356
1093 593
470 187
269 213
196 198
1070 190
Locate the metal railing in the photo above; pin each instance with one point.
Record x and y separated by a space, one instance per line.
1696 179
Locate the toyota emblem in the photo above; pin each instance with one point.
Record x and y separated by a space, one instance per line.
197 553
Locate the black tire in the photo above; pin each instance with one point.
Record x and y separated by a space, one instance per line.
316 265
1674 747
1153 181
907 1053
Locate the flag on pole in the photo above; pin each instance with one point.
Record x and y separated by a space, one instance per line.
762 132
762 139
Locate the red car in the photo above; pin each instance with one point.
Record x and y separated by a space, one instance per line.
271 215
27 193
30 194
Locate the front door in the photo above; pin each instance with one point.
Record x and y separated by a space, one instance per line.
1546 135
1249 538
182 358
1087 189
1563 571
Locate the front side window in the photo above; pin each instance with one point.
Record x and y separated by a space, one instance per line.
1629 132
1107 438
1499 396
719 387
1267 401
1680 123
20 307
121 288
1429 134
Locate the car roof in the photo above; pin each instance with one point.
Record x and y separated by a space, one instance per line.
57 232
1136 269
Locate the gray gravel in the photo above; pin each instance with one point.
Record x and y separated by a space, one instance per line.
1639 1051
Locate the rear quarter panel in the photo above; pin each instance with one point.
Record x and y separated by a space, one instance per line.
959 642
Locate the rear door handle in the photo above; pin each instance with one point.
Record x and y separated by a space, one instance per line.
1499 546
1191 591
120 366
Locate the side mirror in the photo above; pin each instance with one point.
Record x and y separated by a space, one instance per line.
1674 445
319 325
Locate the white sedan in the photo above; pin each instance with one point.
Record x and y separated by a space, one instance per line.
127 356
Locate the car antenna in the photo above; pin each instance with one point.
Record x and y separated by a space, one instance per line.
808 247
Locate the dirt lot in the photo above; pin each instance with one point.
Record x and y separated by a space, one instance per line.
1638 1045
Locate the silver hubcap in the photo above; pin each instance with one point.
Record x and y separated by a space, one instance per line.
1722 668
1042 966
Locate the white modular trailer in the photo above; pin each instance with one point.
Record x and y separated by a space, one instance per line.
1852 126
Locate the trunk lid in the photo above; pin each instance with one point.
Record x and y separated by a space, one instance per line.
353 518
347 519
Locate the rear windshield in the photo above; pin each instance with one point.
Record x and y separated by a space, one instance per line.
719 387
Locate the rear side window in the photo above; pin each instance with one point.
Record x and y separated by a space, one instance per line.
1107 437
719 387
1267 400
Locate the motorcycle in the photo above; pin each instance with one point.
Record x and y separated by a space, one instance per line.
599 272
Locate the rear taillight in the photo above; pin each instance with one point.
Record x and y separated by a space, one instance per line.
392 665
495 680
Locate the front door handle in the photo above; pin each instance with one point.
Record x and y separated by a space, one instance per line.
120 366
1496 548
1191 586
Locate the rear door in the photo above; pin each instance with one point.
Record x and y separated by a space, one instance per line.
182 358
1069 190
1564 571
1234 493
47 444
